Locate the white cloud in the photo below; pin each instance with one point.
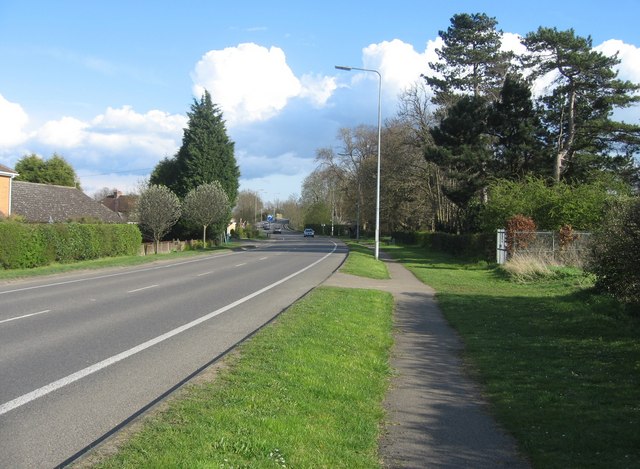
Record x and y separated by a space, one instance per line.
67 132
117 130
253 83
398 63
13 120
249 82
512 42
629 55
318 88
126 119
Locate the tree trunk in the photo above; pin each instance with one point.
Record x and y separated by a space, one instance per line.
564 148
204 236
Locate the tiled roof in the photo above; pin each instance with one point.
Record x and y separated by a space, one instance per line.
44 203
121 204
6 170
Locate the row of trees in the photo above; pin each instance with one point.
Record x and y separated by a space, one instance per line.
474 123
200 181
159 209
194 189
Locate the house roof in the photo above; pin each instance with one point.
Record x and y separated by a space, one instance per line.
121 203
48 203
5 171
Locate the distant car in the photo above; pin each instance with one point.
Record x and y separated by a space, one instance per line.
309 232
277 230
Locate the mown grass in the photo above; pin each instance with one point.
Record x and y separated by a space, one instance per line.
362 262
306 391
559 363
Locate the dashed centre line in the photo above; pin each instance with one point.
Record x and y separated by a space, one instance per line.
143 288
25 316
78 375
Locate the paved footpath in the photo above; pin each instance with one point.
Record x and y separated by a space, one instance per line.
436 416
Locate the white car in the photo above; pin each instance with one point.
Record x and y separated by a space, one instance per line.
308 232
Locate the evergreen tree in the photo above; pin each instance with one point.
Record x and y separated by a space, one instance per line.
462 148
56 170
165 172
577 112
471 60
206 154
59 172
30 168
519 137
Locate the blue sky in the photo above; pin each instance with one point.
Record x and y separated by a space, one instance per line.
107 84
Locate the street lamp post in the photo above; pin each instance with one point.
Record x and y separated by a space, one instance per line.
348 69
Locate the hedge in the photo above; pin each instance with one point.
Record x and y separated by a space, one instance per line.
480 246
31 245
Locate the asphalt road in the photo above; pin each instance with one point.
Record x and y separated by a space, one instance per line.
80 354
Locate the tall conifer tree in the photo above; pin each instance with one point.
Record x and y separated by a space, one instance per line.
578 111
470 60
206 154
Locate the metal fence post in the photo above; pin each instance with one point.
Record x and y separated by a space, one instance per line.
501 246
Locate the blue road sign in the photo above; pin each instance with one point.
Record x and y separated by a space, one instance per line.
269 217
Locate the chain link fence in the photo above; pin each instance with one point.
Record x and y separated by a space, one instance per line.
563 247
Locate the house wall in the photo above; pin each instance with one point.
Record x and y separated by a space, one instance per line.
5 195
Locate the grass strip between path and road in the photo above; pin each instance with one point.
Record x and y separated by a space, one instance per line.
305 391
361 262
559 363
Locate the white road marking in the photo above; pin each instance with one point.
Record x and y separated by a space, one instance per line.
204 273
117 274
240 265
143 288
25 316
55 385
263 258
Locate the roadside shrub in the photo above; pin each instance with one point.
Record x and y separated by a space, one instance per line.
25 245
567 237
22 246
520 233
615 253
477 246
551 206
408 238
194 245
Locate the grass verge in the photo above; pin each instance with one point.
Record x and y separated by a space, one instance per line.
362 262
105 262
559 364
306 391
